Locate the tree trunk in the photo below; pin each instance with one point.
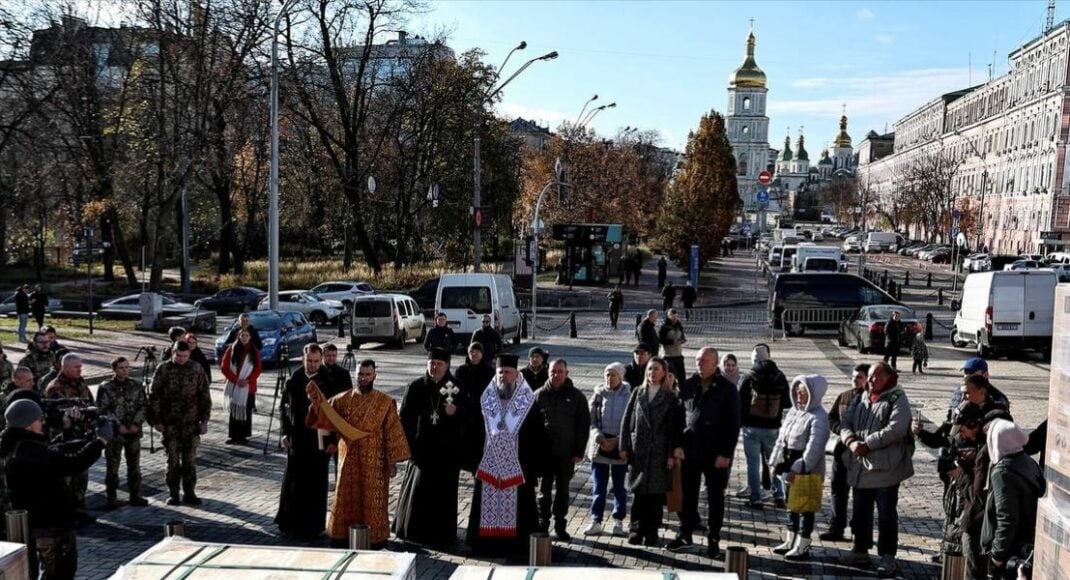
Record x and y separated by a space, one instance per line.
226 233
371 255
119 245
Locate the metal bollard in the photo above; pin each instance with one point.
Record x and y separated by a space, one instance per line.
572 325
899 292
174 528
735 561
359 537
929 326
906 279
540 549
954 567
929 280
524 325
341 329
18 526
939 296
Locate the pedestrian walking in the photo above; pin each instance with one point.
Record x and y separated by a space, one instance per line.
663 269
800 450
39 305
241 366
616 302
689 295
651 442
637 266
607 406
892 334
919 351
668 296
23 310
567 419
880 454
672 339
763 396
839 489
123 398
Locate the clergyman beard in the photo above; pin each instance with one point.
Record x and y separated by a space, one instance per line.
506 390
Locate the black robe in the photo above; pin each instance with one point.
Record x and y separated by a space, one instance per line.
427 502
303 500
533 448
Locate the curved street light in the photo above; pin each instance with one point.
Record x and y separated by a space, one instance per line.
584 109
594 113
273 179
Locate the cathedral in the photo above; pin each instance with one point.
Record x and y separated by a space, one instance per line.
797 183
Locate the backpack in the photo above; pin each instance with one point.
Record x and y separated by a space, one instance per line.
764 405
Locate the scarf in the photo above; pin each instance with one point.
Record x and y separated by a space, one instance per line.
500 469
236 398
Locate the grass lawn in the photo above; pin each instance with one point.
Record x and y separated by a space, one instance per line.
65 327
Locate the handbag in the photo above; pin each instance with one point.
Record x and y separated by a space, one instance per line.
674 498
804 493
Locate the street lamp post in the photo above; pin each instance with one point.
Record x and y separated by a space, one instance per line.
535 227
477 200
984 184
273 179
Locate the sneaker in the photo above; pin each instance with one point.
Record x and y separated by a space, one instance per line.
618 528
778 502
174 500
191 499
594 529
635 539
856 559
755 505
138 501
744 492
679 545
832 536
713 550
888 567
767 494
561 535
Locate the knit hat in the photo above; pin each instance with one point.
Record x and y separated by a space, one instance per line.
617 369
536 350
439 354
22 413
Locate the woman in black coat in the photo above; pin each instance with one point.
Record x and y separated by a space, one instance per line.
892 334
38 305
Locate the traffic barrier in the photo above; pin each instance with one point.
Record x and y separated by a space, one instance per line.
524 325
540 549
929 326
939 296
906 278
802 318
929 280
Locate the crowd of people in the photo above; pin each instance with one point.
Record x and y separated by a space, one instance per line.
656 438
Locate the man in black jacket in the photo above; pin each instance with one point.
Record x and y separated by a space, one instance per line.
636 371
568 421
711 404
36 475
441 336
476 373
647 331
490 339
838 487
22 309
764 397
536 373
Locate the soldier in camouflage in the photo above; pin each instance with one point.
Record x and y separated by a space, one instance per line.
122 399
6 368
69 384
39 358
180 405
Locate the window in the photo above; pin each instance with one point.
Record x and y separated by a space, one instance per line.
371 309
745 129
474 298
746 103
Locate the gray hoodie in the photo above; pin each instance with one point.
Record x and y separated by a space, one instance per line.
806 428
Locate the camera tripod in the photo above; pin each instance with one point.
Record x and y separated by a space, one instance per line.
282 374
148 371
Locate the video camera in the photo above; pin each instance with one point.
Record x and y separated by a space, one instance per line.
58 419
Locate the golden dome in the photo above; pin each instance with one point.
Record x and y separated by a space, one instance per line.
843 139
748 75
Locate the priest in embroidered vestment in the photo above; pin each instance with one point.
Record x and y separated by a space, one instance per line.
515 447
371 443
435 415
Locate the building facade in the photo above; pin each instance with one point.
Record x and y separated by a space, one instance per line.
1008 137
748 126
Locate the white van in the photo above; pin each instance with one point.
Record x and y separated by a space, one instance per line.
1006 311
882 242
814 258
465 298
391 319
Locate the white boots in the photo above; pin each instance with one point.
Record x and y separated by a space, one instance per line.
795 547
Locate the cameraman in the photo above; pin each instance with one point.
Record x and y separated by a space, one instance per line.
36 475
71 386
122 399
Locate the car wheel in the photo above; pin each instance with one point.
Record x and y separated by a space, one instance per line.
982 350
423 334
860 346
956 340
318 318
840 338
399 341
516 339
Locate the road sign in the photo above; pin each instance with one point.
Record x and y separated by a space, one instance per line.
961 240
762 196
954 232
954 214
765 178
693 271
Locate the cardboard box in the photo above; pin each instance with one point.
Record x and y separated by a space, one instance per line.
14 561
1057 448
178 557
565 573
1051 556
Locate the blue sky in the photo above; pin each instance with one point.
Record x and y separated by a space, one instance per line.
665 63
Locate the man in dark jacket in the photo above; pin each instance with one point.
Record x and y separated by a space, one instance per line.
440 336
647 331
476 372
1016 484
764 396
663 269
616 302
711 404
635 372
536 373
839 488
671 337
22 309
689 297
36 477
490 339
668 296
568 421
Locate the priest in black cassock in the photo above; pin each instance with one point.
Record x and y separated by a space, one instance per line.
515 447
302 512
435 413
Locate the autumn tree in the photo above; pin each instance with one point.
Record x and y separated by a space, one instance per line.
703 200
927 191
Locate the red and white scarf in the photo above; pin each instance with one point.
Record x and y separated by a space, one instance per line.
236 398
500 471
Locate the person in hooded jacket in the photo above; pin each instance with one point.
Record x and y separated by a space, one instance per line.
764 397
607 405
974 496
800 449
1015 484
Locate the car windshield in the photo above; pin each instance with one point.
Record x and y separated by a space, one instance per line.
474 298
822 265
264 320
371 308
885 312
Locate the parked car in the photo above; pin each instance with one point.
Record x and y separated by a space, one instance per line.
852 244
465 298
318 310
275 329
928 254
910 247
8 305
939 256
343 292
129 306
1006 310
392 319
239 299
997 263
914 252
975 262
1022 265
865 329
425 294
1062 271
1035 257
838 293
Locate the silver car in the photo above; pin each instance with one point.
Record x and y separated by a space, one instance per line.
130 307
317 309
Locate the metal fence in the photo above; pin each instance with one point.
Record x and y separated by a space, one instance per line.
796 321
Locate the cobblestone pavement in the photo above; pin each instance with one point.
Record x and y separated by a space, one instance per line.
240 485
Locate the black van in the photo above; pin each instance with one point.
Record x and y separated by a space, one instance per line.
823 290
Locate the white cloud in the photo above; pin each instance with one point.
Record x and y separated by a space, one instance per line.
885 39
865 14
888 96
545 117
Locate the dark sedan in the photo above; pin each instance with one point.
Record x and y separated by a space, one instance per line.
240 299
865 329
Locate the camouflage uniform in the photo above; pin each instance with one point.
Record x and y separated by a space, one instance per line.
64 387
179 404
40 363
126 403
6 370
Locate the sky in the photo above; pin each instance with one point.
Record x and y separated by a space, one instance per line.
666 63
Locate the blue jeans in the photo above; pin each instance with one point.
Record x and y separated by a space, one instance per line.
758 443
23 320
887 501
602 472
